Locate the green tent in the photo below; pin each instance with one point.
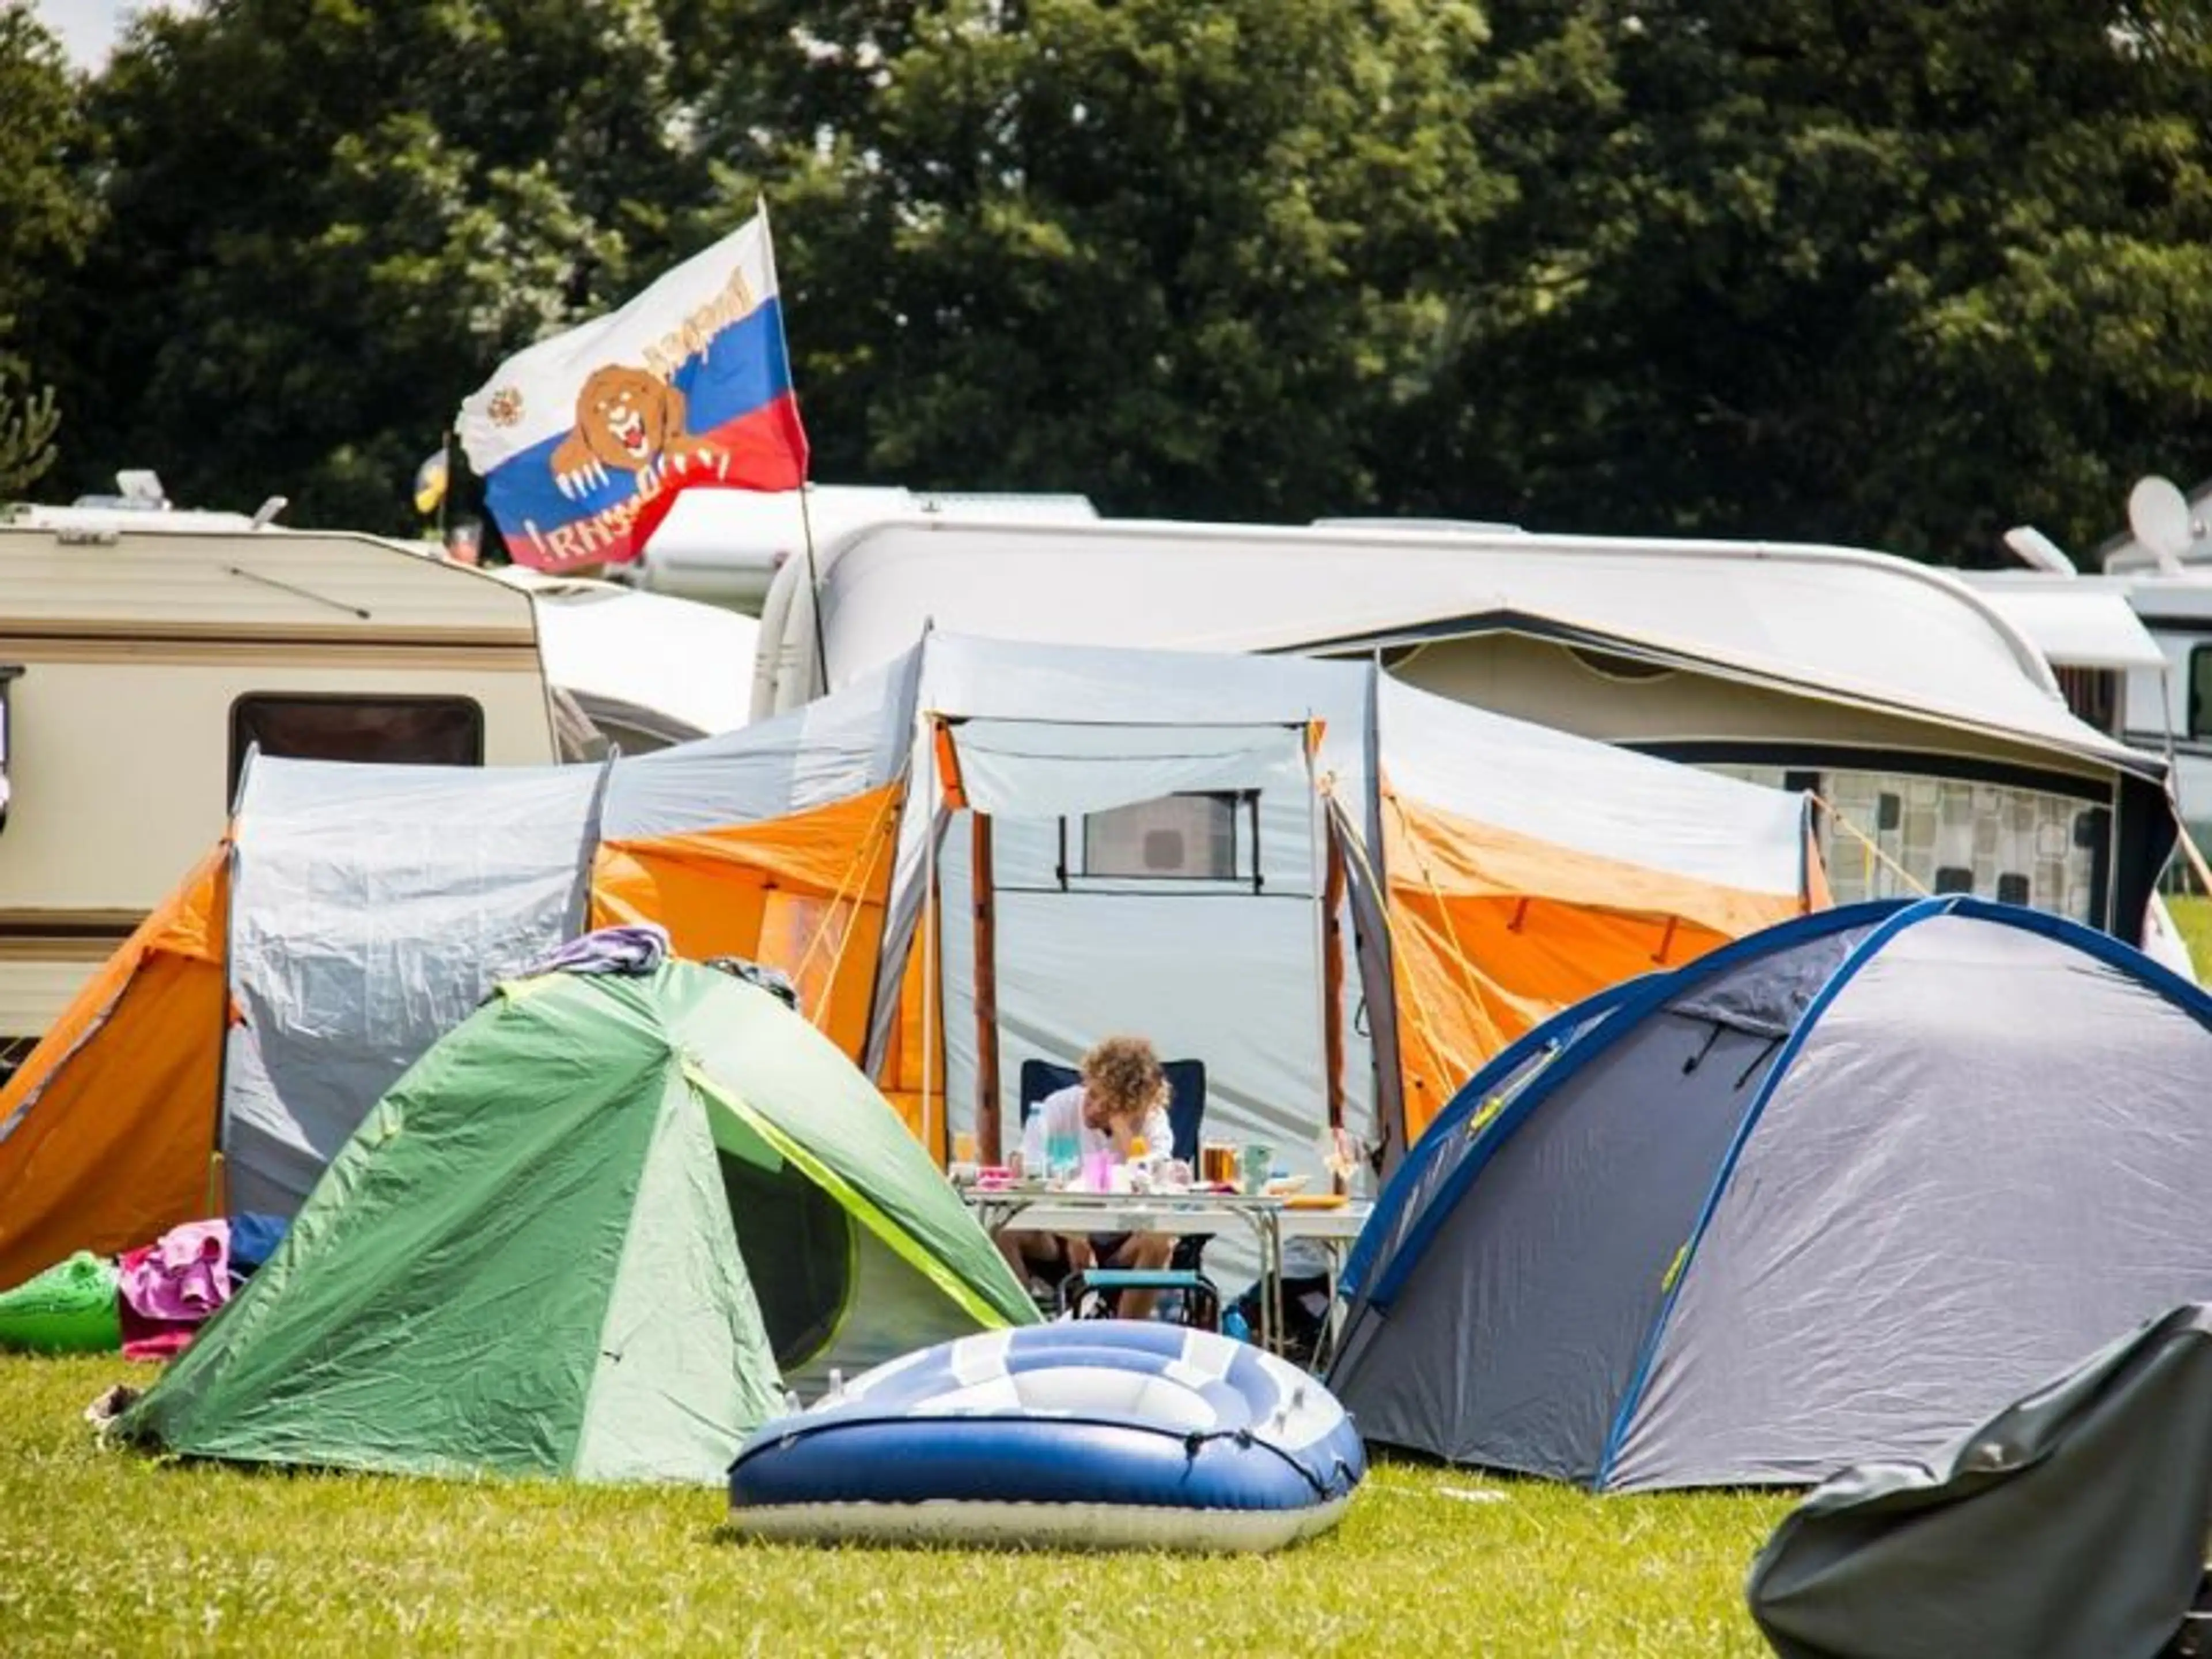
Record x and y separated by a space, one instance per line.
594 1232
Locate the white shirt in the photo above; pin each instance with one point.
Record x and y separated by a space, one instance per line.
1061 1114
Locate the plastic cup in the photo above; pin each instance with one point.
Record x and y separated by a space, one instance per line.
1257 1164
1099 1172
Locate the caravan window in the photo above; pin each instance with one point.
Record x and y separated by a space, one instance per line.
391 729
2200 691
1174 838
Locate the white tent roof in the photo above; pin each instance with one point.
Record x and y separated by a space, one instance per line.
689 662
1571 791
1838 623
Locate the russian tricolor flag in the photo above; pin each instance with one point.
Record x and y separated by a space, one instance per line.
584 440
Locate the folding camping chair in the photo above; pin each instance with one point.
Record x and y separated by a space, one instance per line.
1201 1301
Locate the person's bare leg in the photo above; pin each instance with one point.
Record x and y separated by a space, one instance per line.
1021 1248
1149 1252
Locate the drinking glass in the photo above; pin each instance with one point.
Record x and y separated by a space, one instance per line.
1064 1159
1259 1162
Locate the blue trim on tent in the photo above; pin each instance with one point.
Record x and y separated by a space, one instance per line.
1861 954
2115 953
1435 1141
1621 1006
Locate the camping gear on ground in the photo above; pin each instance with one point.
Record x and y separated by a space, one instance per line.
1831 1194
166 1290
69 1308
1306 1302
253 1239
597 1232
2071 1525
1344 893
1106 1434
182 1277
148 1303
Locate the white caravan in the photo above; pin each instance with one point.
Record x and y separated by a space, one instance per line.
1929 727
637 672
144 653
724 546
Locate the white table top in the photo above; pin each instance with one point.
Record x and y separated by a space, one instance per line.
1047 1212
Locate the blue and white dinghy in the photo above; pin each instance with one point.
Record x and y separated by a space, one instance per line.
1094 1434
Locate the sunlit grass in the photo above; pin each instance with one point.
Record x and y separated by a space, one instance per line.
2193 916
108 1551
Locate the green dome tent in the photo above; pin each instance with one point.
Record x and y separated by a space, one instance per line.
595 1231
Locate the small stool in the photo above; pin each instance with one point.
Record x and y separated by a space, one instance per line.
1201 1299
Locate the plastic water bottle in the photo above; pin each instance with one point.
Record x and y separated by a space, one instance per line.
1233 1324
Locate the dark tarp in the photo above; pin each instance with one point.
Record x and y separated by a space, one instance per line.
2072 1525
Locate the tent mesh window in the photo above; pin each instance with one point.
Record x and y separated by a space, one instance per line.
799 1249
1188 837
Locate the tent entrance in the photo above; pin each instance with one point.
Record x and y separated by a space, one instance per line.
800 1248
1167 879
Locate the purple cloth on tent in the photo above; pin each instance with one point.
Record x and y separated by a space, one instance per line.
184 1276
637 948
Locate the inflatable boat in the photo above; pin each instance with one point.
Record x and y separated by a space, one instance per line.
1095 1434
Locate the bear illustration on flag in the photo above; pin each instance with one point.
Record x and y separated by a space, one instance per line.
585 440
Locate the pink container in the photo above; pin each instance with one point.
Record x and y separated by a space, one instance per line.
1099 1172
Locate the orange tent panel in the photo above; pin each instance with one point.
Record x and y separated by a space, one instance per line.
804 894
111 1122
1491 932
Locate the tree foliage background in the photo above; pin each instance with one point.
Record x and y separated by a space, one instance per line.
1860 270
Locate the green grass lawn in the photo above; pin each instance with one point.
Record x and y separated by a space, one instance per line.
2194 917
104 1551
108 1551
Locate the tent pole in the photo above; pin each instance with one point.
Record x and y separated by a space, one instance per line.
929 846
1332 1009
987 995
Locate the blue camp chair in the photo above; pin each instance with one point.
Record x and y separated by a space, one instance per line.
1200 1300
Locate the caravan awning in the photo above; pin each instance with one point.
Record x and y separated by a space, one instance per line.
2077 628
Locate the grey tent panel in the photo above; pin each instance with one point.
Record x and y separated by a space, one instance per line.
1770 995
1508 1347
372 909
852 740
1444 1152
1991 1156
2069 1526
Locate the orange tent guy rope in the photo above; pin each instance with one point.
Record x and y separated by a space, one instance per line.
876 841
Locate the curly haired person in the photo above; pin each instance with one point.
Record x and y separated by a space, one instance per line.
1122 1099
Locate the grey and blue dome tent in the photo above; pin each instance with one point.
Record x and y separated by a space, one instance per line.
1834 1193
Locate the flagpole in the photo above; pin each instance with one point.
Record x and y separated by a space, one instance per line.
445 492
805 512
813 589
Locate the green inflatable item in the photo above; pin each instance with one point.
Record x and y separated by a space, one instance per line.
69 1308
